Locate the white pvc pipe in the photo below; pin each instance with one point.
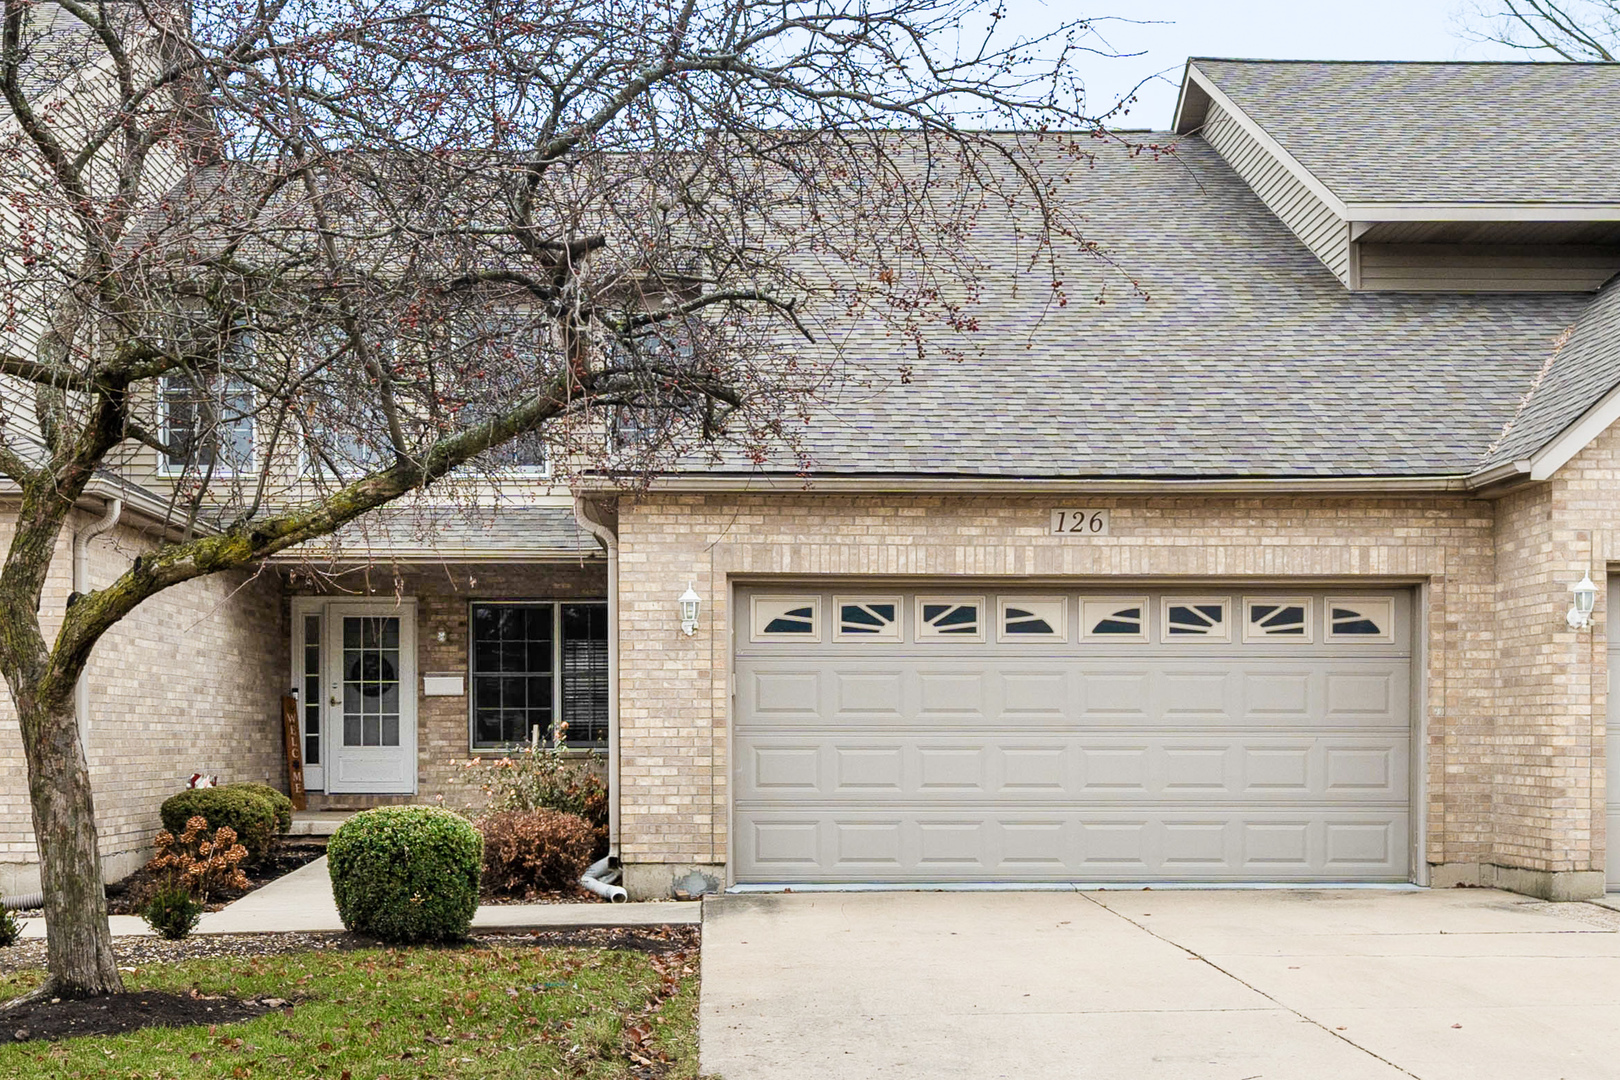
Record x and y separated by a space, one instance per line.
81 585
593 881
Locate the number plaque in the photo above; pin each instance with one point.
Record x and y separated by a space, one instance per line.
1080 522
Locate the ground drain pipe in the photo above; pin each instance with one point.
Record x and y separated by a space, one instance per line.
27 900
595 880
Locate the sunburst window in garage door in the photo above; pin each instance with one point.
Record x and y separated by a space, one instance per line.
786 618
1114 618
867 618
1194 617
1277 618
950 618
1361 618
1032 618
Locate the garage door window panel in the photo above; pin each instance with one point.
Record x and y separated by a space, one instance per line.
1361 619
1196 618
950 618
867 618
1114 618
786 618
1032 618
1286 619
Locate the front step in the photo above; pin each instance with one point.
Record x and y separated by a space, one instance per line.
321 823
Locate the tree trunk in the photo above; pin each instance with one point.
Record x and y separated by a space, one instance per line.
79 945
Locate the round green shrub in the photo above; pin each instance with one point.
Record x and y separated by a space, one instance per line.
241 808
406 874
278 799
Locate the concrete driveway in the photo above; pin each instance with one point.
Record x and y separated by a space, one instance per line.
1331 985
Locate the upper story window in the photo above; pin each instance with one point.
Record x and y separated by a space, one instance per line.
499 355
207 424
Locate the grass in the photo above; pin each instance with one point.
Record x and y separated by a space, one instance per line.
407 1014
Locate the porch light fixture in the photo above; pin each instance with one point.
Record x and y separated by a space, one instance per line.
690 602
1580 612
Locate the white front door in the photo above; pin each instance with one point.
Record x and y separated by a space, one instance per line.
370 697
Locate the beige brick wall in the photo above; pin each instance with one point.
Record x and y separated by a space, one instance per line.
442 596
1552 706
675 689
189 682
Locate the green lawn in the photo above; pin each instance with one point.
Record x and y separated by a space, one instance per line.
405 1015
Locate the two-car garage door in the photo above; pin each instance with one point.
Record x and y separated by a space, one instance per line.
985 734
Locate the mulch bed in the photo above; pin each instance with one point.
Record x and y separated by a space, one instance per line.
574 894
118 1013
125 897
135 952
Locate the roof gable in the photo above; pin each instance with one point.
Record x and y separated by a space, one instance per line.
1480 134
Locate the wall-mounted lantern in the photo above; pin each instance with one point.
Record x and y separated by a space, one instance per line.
690 602
1580 612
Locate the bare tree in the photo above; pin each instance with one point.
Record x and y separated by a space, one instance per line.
1579 30
289 262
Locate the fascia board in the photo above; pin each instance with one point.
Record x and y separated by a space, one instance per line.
1373 213
1271 146
944 485
354 557
1576 437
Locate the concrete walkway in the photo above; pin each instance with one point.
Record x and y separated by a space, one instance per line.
302 901
1169 985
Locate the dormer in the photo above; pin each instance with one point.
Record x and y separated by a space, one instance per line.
1426 177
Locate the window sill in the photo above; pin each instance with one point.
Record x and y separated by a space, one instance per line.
510 751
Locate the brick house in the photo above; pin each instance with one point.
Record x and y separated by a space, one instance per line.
1260 574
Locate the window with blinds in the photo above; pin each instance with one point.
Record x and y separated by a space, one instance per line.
534 663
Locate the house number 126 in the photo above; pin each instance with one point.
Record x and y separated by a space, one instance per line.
1080 522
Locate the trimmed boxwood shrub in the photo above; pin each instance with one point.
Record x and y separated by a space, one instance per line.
237 807
406 874
278 799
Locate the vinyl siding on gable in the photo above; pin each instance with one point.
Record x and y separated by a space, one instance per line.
1482 268
1313 221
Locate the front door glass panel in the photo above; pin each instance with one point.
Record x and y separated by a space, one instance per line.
371 680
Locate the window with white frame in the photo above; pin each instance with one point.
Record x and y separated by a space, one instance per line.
1193 618
1361 618
1114 618
207 424
1274 618
536 665
785 618
867 618
1032 618
950 618
345 433
502 351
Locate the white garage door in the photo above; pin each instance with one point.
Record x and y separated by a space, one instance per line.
885 735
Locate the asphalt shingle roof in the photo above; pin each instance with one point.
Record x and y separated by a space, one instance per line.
444 532
1246 358
1438 132
1580 370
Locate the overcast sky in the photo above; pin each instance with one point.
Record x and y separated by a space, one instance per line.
1169 31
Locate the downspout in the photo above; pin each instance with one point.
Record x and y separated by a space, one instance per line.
81 585
609 540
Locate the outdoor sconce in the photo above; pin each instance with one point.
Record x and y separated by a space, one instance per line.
1580 612
690 601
